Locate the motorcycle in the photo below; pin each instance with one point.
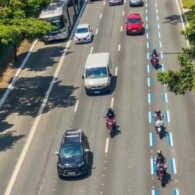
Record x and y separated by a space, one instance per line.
111 124
159 125
161 172
155 61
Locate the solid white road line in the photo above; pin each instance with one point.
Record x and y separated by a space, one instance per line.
107 145
112 102
76 106
34 127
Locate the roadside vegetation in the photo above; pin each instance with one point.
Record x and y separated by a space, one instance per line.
183 80
18 21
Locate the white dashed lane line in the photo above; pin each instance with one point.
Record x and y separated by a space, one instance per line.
123 13
91 51
76 106
116 71
100 16
96 32
112 102
121 29
107 145
119 47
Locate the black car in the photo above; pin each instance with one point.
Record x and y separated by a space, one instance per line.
73 155
115 2
136 3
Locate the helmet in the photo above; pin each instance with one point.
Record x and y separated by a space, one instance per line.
154 49
159 152
109 109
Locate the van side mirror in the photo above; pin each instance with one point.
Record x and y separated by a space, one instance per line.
57 153
83 77
87 150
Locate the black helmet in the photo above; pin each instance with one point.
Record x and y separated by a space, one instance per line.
109 109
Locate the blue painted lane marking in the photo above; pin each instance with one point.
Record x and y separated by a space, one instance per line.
154 192
148 44
170 139
157 26
152 139
167 117
146 10
150 117
161 55
147 26
153 166
158 34
159 44
157 18
162 68
150 98
147 35
149 68
173 166
146 4
176 192
165 97
146 18
149 82
148 55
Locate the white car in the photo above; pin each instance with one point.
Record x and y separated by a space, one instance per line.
83 34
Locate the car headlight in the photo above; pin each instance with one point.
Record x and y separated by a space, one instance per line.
88 37
61 166
105 85
81 164
75 38
87 86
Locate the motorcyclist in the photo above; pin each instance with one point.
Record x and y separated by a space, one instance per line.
154 53
109 115
157 115
159 158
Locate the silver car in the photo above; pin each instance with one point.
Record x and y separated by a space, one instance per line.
83 34
115 2
136 2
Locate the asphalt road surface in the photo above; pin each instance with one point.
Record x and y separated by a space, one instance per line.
49 98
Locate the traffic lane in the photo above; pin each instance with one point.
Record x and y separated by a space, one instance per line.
182 123
20 108
170 27
69 79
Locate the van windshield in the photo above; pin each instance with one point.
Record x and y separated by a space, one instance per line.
95 73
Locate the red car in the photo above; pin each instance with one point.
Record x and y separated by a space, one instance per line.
134 24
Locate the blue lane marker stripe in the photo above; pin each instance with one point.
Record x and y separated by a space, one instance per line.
176 192
154 192
166 117
161 55
146 11
150 117
152 139
149 98
149 82
154 166
165 97
171 163
148 55
162 68
173 166
170 139
147 26
149 68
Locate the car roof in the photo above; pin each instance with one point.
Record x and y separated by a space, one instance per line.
135 15
83 26
72 136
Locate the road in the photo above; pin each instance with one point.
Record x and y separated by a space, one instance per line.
41 109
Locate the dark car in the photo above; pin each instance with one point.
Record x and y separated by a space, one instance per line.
115 2
134 24
73 155
136 3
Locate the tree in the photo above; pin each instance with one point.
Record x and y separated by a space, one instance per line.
18 23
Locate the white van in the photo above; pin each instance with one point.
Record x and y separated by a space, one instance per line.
98 73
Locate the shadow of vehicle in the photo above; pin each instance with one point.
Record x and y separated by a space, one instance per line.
163 133
166 180
116 131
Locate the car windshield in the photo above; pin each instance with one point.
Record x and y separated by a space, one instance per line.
57 21
82 30
70 151
134 21
96 72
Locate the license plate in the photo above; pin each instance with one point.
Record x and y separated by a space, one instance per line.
71 173
134 31
96 91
